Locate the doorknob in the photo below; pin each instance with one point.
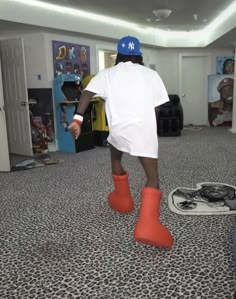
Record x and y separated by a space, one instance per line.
23 103
183 95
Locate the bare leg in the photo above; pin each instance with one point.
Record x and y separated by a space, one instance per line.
150 167
120 199
116 165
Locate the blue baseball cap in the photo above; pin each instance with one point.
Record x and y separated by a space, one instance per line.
129 45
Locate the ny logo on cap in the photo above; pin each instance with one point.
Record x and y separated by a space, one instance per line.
131 46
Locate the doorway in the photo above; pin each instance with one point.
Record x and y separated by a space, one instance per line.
193 75
106 59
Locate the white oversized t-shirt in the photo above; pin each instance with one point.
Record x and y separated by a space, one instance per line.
131 92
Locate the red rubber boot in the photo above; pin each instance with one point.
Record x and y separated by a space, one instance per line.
121 200
148 229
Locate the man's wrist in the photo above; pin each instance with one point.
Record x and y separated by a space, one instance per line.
78 118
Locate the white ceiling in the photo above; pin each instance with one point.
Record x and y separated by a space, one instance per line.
138 11
134 11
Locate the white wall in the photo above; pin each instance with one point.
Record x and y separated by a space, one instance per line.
35 53
168 67
150 55
39 58
36 59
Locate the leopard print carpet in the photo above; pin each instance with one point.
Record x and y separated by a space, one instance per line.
59 238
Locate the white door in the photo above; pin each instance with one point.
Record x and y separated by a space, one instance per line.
194 72
16 97
4 152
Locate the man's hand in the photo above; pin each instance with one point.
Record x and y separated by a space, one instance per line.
86 96
75 129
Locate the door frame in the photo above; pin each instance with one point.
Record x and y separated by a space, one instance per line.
103 48
208 71
6 156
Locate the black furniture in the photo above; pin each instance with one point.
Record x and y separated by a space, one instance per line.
170 120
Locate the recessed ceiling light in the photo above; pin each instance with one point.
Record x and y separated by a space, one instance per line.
162 13
148 20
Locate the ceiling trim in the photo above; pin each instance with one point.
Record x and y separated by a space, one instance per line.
35 12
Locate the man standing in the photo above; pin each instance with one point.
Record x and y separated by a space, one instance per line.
131 92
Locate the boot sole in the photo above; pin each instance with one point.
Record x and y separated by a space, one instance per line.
155 243
145 234
125 211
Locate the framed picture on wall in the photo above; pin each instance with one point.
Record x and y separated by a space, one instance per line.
225 65
41 119
220 99
69 58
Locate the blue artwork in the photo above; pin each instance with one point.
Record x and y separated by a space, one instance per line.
225 65
70 58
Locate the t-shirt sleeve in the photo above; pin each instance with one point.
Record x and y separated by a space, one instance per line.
161 95
98 85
